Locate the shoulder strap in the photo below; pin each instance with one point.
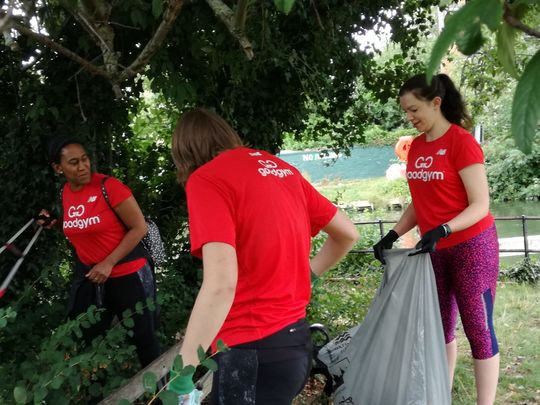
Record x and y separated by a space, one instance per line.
106 196
139 250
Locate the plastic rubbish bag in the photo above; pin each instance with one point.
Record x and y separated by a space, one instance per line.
397 355
193 398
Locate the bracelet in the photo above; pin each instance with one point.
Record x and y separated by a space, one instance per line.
447 230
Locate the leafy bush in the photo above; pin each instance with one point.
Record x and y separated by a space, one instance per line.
512 175
376 135
61 369
526 271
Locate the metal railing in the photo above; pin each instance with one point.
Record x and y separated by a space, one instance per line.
522 218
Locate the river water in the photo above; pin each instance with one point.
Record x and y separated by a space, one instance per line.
363 163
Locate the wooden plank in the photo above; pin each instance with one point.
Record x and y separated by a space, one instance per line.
133 389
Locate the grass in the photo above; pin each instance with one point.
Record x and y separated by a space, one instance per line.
341 304
378 191
517 325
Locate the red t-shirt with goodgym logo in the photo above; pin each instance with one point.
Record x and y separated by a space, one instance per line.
437 191
268 212
92 227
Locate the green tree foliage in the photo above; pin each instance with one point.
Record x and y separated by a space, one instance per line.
504 19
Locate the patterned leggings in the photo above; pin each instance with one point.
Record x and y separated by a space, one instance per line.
466 276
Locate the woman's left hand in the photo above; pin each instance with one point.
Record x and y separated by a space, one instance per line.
99 273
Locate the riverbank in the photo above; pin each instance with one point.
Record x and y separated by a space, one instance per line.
379 191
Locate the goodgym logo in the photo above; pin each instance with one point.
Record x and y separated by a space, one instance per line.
76 212
269 164
270 168
422 164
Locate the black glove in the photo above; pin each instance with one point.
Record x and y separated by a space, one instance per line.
384 243
429 240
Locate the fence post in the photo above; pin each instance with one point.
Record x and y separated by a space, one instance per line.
381 228
525 235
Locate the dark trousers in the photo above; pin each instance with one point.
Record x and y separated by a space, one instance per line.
269 371
117 295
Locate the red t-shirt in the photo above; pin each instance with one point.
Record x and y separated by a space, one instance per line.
437 191
92 227
268 212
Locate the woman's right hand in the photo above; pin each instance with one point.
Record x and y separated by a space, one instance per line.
385 243
44 219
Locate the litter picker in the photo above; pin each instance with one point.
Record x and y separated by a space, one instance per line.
9 246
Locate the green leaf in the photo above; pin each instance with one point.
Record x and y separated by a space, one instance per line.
492 13
125 402
139 308
187 370
129 322
157 7
221 346
149 382
91 317
201 354
178 363
57 382
150 303
210 364
168 397
471 40
20 395
526 105
458 23
39 394
3 322
506 54
127 314
95 389
285 6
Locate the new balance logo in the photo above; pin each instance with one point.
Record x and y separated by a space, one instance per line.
92 198
441 152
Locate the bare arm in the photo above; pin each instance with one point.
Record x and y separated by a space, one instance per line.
215 298
131 215
407 221
342 235
475 181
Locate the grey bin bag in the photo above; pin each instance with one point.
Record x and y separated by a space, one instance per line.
397 355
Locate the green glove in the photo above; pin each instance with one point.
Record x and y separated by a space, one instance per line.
181 384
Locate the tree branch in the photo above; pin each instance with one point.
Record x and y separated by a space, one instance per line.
317 15
240 15
225 14
44 40
4 20
516 23
173 9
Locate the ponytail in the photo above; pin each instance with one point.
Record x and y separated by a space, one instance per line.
452 106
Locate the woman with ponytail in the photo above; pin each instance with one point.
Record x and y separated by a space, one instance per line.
450 205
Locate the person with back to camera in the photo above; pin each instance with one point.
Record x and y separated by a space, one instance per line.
251 220
110 264
450 205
